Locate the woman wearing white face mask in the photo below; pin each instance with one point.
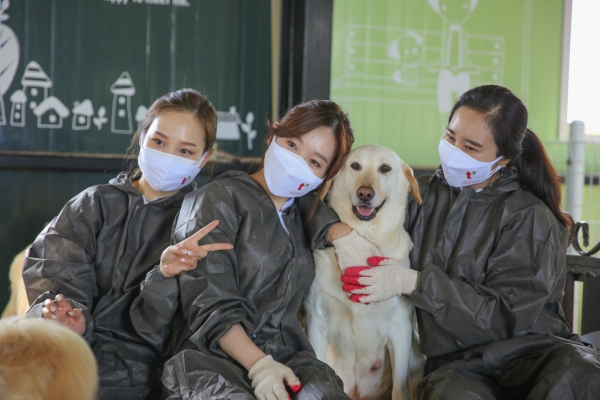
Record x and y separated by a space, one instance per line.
85 268
488 261
242 338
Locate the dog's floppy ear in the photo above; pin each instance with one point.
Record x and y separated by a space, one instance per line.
414 186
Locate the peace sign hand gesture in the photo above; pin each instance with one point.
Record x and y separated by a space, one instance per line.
184 255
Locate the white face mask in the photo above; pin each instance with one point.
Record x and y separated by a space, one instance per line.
287 174
166 172
460 169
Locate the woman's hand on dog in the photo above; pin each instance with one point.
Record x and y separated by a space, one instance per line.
184 255
353 250
383 279
60 311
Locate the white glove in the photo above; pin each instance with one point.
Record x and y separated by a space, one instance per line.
267 379
385 279
353 250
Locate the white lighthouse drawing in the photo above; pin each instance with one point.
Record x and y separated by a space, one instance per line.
122 90
17 110
35 84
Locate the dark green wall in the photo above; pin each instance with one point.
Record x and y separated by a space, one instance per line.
221 48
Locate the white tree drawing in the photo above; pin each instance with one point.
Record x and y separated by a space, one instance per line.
229 124
100 119
140 115
9 57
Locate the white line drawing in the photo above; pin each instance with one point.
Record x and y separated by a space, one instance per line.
50 113
247 128
122 90
82 115
417 67
17 110
140 114
9 57
408 50
229 123
35 84
101 118
455 70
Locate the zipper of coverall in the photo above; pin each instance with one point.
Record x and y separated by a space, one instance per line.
286 218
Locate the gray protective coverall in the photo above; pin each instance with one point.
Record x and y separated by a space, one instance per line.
260 284
96 252
488 299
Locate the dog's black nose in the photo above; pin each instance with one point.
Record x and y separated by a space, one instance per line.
365 193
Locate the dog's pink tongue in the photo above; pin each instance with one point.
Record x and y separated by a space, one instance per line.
365 211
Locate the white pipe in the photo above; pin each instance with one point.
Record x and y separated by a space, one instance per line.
575 181
575 178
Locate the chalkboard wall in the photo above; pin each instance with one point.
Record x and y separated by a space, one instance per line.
75 76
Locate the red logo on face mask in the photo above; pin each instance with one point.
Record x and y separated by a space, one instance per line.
303 185
470 174
185 180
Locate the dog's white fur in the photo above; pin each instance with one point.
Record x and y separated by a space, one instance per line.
373 348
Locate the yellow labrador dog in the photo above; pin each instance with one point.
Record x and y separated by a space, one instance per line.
373 348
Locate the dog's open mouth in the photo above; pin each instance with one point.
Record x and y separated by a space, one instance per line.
365 213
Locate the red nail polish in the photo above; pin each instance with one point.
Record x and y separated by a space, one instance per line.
296 388
376 261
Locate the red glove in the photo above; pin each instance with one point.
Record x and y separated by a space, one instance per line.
351 276
391 278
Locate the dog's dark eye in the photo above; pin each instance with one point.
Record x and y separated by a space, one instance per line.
384 169
355 166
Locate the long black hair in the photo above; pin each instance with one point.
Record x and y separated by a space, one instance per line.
506 116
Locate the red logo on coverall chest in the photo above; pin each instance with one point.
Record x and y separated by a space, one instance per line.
470 174
303 185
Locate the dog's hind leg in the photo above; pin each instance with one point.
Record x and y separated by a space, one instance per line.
400 348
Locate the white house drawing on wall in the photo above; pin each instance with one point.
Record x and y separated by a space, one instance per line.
50 113
82 115
122 90
17 110
35 84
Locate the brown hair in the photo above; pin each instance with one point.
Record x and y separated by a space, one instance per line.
182 100
311 115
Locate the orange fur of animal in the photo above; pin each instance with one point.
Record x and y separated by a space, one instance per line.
43 360
18 303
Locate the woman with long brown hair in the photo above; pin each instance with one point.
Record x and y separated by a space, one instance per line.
242 338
